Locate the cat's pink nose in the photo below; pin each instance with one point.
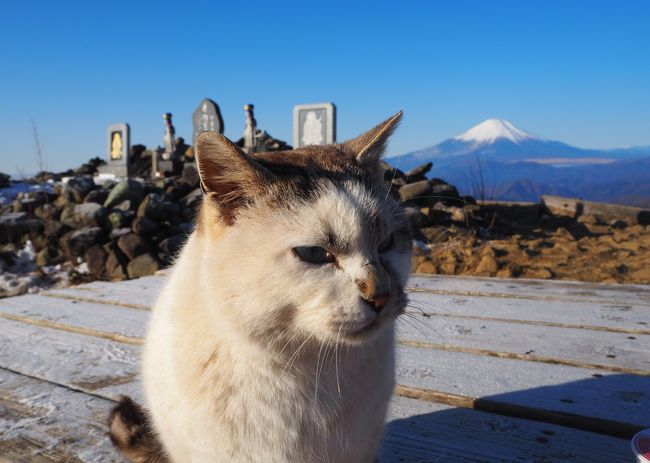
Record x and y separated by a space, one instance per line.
379 301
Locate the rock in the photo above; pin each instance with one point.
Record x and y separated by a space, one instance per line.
392 172
5 180
49 255
642 275
487 266
145 226
416 218
190 176
426 267
114 269
98 196
119 218
55 229
126 189
47 212
95 258
541 273
172 244
417 193
125 206
13 225
419 173
78 187
75 243
445 193
133 245
83 215
146 264
175 192
192 199
153 207
116 233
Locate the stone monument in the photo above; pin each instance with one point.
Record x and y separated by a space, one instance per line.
314 124
206 118
169 138
118 146
250 130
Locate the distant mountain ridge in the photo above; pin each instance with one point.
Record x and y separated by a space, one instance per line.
517 166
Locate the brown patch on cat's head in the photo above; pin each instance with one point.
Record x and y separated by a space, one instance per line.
232 179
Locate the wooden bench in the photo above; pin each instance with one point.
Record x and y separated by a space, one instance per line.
488 370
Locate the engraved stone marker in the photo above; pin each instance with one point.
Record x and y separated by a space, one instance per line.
118 138
206 118
314 124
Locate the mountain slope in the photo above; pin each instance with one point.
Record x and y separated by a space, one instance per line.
512 164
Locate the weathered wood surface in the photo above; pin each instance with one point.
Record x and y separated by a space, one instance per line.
531 353
573 207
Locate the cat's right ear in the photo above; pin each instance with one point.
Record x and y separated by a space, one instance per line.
228 176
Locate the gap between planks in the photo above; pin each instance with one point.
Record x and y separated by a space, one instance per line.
417 344
585 423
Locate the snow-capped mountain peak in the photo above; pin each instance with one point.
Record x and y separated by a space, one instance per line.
491 130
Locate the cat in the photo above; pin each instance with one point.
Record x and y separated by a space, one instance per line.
273 339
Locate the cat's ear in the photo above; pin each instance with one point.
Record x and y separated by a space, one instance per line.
228 176
369 147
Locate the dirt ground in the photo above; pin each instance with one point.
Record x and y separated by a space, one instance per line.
514 240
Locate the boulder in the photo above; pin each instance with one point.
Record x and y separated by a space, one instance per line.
55 230
47 212
416 193
127 189
98 196
75 243
447 194
5 180
115 267
419 173
117 232
78 187
83 215
119 218
95 258
49 255
172 245
14 225
133 245
190 176
143 265
145 226
155 208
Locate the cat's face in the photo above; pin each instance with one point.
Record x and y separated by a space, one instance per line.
305 243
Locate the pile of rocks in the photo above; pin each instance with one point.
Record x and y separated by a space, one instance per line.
120 230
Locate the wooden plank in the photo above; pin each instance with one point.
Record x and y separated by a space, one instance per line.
84 363
618 352
424 432
525 289
45 423
107 369
592 394
126 322
620 317
609 351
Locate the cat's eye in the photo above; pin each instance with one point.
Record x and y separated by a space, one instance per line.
386 244
314 255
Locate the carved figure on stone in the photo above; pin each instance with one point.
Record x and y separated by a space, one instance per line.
312 129
116 146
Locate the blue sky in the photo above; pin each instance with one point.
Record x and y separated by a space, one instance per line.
572 70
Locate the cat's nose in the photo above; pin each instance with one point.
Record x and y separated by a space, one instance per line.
379 301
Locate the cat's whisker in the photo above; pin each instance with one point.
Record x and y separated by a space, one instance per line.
336 360
291 359
417 319
317 363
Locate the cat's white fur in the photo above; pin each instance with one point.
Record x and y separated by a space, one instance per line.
219 386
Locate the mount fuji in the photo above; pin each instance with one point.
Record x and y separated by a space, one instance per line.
519 166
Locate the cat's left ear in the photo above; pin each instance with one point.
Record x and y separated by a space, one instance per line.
369 147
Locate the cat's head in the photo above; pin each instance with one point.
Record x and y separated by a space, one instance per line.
304 243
